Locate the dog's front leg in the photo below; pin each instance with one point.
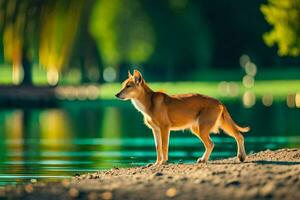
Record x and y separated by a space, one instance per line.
165 134
158 145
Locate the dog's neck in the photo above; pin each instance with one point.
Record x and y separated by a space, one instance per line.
143 102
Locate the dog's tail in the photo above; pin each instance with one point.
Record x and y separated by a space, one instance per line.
228 125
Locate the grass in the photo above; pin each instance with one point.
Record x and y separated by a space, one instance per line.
279 89
264 85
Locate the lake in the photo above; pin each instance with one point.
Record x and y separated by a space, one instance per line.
68 138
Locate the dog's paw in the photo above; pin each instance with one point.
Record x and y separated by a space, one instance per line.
201 160
241 157
164 162
157 163
149 165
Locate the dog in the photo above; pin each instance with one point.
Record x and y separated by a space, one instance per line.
164 113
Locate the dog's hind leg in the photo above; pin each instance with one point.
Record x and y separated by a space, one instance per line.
230 128
239 138
202 132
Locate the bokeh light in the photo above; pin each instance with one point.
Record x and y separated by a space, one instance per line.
249 99
244 59
94 74
222 88
52 76
267 100
109 74
17 75
248 81
233 89
228 89
290 100
82 92
297 100
250 68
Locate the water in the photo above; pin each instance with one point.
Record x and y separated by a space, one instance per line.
78 137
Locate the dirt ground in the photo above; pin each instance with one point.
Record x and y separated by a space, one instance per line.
264 175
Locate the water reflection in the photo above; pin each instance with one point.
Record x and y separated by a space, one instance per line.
59 142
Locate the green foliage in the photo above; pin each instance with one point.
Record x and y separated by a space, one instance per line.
58 32
123 31
284 16
46 28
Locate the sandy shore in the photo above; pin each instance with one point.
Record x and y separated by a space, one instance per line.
264 175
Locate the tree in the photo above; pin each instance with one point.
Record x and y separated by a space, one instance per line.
38 32
284 16
123 32
18 30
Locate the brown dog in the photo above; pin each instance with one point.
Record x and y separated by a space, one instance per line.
162 113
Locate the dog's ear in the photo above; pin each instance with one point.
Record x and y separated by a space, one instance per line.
137 76
129 74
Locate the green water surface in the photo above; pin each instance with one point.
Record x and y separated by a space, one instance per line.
79 137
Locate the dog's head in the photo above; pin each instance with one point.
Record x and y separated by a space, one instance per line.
132 86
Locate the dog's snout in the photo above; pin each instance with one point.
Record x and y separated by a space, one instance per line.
118 95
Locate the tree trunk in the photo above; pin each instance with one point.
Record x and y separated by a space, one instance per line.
27 67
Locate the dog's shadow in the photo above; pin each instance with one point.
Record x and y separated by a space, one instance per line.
261 162
275 162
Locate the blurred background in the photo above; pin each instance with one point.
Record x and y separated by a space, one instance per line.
62 61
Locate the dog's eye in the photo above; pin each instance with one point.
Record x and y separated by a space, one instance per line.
128 86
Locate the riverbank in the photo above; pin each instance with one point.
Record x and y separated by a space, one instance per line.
264 175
